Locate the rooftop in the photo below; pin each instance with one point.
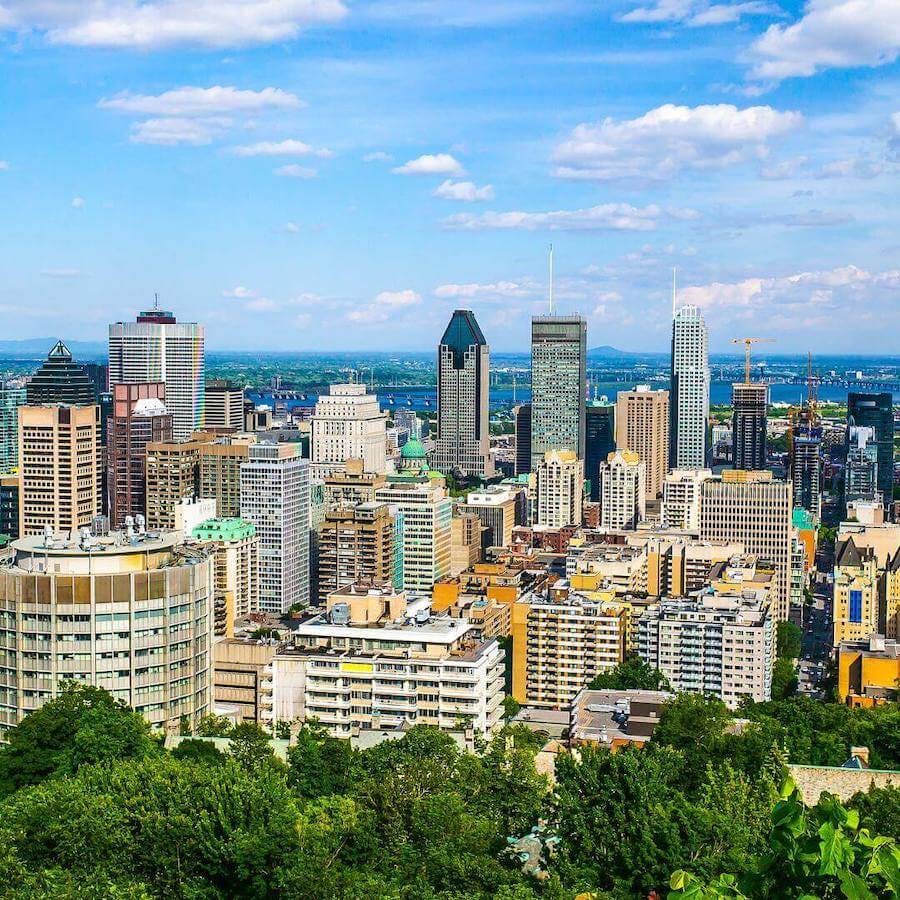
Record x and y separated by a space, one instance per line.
224 530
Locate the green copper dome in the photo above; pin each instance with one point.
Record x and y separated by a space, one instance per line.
413 449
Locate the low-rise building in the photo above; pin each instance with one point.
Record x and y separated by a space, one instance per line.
495 506
243 677
868 671
856 582
615 719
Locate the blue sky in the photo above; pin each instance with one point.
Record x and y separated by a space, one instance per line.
341 174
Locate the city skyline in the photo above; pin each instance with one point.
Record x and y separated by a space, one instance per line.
235 168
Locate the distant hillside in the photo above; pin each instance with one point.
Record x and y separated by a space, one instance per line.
41 347
612 352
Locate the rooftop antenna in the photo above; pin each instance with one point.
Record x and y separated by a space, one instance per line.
156 301
551 279
674 270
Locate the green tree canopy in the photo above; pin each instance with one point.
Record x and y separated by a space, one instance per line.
631 674
789 641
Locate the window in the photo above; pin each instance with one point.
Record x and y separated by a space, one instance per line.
856 606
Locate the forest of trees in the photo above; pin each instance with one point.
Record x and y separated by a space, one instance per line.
94 807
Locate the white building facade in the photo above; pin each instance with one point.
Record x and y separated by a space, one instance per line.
622 503
682 492
689 393
348 424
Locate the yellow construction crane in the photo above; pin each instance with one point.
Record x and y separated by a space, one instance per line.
748 342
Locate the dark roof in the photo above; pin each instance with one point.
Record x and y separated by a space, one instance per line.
894 564
60 380
462 332
848 554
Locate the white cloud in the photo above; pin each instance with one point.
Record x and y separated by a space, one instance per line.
385 306
463 190
605 217
261 304
378 156
291 228
432 164
154 24
281 148
498 290
669 139
194 115
239 293
831 34
4 165
295 171
78 203
785 169
697 13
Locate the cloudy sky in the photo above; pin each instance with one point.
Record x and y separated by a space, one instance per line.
341 174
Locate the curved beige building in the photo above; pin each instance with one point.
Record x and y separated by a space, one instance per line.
132 614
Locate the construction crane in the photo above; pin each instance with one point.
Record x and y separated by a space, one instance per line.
748 342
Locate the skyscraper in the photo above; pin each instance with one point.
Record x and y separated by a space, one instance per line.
522 414
642 425
749 402
806 465
158 348
600 441
463 381
622 490
861 469
275 498
348 424
60 380
223 405
876 411
11 398
138 417
558 384
689 407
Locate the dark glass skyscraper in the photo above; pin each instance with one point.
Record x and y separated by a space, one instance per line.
600 429
60 380
876 411
522 414
748 425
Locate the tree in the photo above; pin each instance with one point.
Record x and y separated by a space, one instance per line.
631 674
789 641
199 751
511 707
879 810
250 747
213 726
84 724
784 679
320 765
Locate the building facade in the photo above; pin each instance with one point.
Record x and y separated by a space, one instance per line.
348 423
855 610
600 441
558 385
495 506
157 347
463 440
682 494
876 411
689 406
522 416
223 405
861 468
622 490
219 474
642 426
11 398
172 476
748 425
60 380
559 488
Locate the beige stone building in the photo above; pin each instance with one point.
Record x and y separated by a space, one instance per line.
465 543
220 472
622 491
243 677
559 489
642 425
351 485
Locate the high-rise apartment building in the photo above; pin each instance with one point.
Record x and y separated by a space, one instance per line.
642 426
219 476
60 380
351 486
407 419
522 416
463 436
600 441
495 507
172 476
59 467
356 546
622 492
749 403
158 348
558 385
752 509
876 411
689 406
275 498
348 424
132 614
806 465
560 488
11 398
223 406
861 468
718 644
139 417
682 494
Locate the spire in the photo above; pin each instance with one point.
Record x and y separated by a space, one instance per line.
551 279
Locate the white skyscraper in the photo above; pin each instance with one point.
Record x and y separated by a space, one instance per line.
689 395
157 348
348 424
275 498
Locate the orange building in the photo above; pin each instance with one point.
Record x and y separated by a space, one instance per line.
868 671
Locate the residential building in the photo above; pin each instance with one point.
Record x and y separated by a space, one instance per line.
749 403
890 612
752 509
172 476
561 640
420 496
622 491
522 416
156 347
600 441
59 468
642 426
465 542
876 411
373 662
275 498
714 643
351 485
856 589
131 614
558 384
9 506
868 671
60 380
348 423
615 719
689 407
235 549
560 488
861 468
462 443
219 471
682 493
11 398
355 545
495 505
224 406
139 417
243 677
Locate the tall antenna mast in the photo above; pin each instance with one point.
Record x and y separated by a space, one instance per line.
156 301
674 270
551 279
